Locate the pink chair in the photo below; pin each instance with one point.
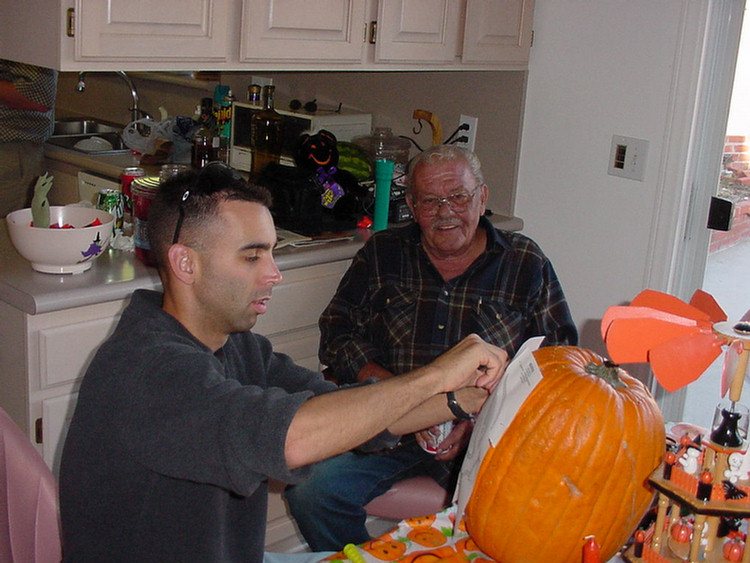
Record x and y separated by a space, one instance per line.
29 515
416 496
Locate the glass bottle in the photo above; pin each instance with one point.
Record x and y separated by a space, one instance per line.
206 142
266 133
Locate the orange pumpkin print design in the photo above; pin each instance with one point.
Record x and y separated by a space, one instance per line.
466 544
421 521
385 549
439 554
428 537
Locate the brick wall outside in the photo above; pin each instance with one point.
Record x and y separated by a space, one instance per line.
736 173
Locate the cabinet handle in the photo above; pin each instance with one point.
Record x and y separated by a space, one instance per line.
373 32
38 431
70 23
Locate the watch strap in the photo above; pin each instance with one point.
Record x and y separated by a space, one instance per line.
455 408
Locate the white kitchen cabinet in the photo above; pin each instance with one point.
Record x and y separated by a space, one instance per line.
425 31
491 32
118 34
121 30
44 357
416 33
267 34
498 32
303 30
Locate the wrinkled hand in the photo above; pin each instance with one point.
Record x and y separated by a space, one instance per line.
427 438
456 442
453 444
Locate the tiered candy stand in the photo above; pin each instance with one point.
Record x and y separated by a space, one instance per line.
703 506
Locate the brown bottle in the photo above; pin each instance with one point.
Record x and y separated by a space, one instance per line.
266 133
206 139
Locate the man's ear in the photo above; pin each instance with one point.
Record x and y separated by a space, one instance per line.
484 194
410 203
182 263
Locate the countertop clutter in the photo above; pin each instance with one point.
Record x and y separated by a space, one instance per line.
116 274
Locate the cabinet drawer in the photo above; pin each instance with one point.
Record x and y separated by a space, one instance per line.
65 351
300 299
300 345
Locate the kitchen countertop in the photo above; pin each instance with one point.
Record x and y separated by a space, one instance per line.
116 273
110 165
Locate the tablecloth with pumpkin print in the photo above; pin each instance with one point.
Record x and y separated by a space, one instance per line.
426 539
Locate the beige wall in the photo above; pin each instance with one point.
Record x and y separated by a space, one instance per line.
496 98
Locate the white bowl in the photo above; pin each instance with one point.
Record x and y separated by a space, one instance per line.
93 144
61 251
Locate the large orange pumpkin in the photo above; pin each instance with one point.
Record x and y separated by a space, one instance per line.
572 463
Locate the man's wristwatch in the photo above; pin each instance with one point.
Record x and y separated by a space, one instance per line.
456 409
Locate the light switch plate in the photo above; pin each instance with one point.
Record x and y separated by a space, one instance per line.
627 157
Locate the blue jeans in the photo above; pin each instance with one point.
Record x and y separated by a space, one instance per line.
329 506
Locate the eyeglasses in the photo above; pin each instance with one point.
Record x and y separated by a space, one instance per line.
208 181
457 202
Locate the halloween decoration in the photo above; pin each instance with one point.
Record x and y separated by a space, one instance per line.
572 464
703 480
39 203
318 154
679 340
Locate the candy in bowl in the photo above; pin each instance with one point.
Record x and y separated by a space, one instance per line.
76 236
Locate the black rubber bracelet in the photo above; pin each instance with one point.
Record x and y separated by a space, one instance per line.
456 409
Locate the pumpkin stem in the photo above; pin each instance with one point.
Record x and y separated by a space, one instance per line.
607 371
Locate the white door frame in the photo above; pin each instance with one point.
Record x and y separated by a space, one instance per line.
699 107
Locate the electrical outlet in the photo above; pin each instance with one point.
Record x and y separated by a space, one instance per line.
261 80
468 129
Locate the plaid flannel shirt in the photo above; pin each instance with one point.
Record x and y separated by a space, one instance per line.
393 307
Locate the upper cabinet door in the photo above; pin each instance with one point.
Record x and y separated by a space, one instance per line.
122 30
418 31
303 30
498 31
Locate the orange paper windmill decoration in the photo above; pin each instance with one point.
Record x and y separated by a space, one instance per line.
679 340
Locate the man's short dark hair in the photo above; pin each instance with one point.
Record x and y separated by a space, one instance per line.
205 190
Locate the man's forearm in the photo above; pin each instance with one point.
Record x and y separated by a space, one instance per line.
336 422
333 423
435 410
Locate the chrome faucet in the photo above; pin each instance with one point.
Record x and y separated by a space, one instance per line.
135 112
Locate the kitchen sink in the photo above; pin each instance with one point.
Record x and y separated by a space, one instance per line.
90 136
84 126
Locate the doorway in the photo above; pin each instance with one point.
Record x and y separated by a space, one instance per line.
728 259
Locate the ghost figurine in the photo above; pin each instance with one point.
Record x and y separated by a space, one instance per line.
39 203
689 460
733 472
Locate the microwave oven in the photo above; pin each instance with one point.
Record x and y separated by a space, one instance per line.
344 125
